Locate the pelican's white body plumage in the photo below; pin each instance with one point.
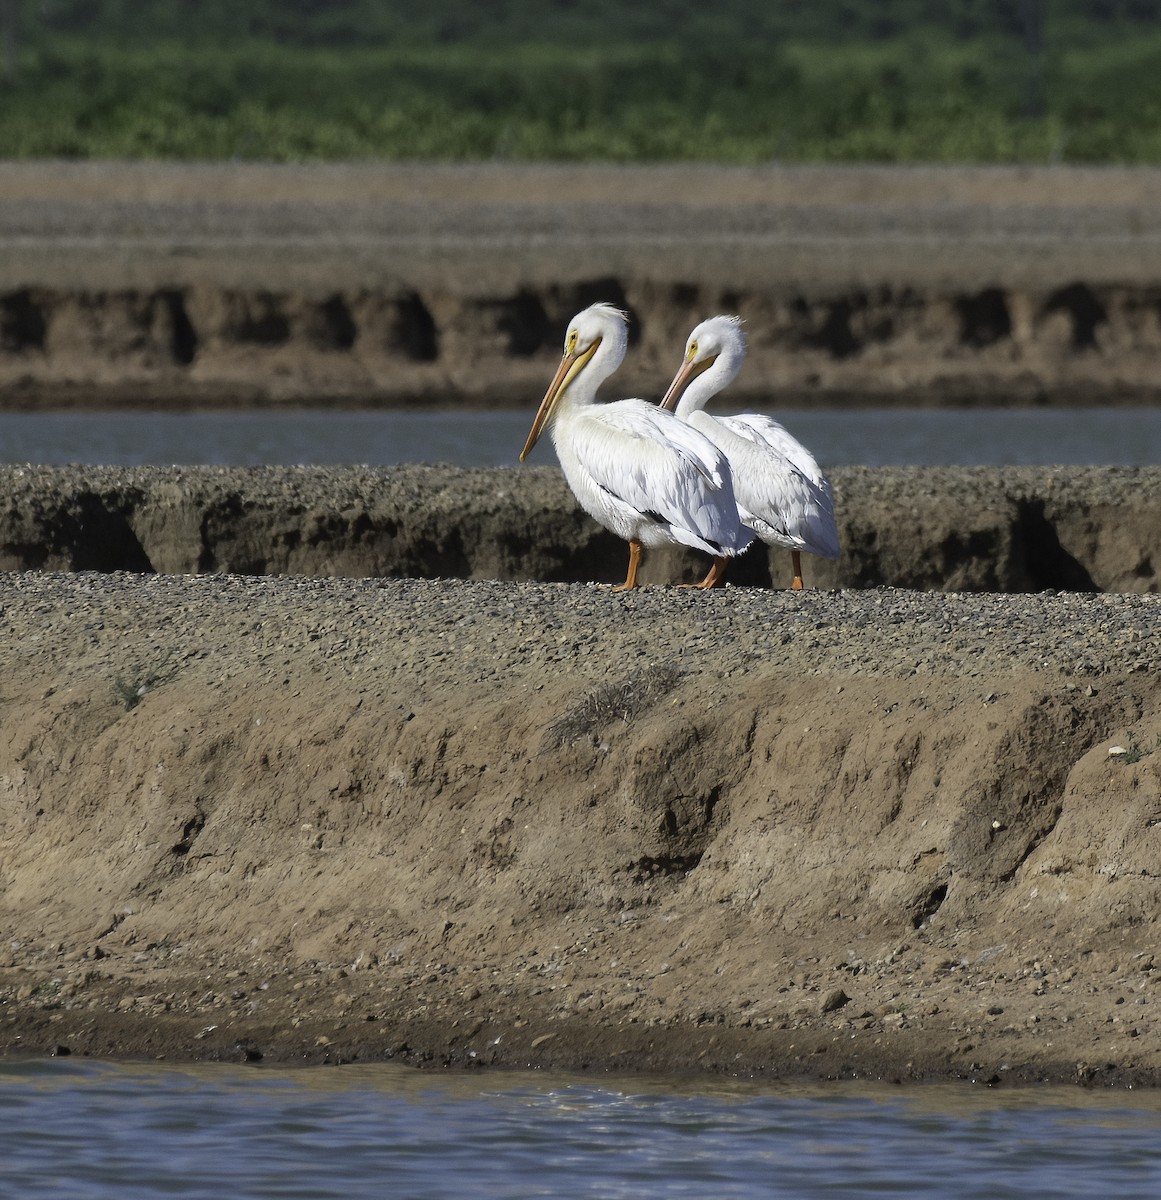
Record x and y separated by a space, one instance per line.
645 476
782 493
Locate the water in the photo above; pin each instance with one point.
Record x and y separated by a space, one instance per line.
107 1132
870 437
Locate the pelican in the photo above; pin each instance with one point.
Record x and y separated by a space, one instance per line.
783 496
643 475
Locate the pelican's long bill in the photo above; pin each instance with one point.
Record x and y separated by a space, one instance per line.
688 372
570 367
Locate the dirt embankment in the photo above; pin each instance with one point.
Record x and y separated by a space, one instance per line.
977 529
171 285
871 833
861 831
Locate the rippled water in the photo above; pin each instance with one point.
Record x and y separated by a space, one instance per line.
106 1132
872 437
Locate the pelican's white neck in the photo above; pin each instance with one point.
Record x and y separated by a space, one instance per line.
606 358
712 380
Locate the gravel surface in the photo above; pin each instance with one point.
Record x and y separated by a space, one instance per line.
451 632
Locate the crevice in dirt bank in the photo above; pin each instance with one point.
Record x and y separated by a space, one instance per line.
1020 803
410 345
527 325
1048 564
834 334
22 323
984 318
928 904
1085 312
86 530
649 867
412 330
189 831
184 338
337 329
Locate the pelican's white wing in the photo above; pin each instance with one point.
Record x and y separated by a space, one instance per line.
782 492
766 431
652 469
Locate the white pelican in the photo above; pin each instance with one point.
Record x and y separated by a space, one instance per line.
640 473
783 496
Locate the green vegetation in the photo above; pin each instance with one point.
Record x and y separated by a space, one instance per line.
741 81
1132 751
131 689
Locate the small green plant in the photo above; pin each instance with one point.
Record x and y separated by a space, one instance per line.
130 689
1134 751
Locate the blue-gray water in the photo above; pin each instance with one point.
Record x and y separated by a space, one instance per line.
110 1132
869 437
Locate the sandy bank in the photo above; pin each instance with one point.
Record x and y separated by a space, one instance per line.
169 284
868 832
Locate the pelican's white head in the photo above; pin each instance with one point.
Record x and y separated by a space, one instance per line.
714 355
602 323
594 347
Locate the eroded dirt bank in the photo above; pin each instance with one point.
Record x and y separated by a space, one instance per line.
168 285
868 832
954 529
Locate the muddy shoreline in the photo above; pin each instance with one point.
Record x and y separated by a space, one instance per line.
869 833
170 285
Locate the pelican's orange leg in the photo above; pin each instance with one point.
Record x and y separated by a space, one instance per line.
634 562
717 574
796 559
715 578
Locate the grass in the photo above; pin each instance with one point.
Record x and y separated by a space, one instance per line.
916 97
1133 751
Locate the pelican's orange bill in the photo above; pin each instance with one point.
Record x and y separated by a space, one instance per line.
570 366
687 373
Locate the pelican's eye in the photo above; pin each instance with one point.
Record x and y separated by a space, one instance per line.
692 351
571 343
